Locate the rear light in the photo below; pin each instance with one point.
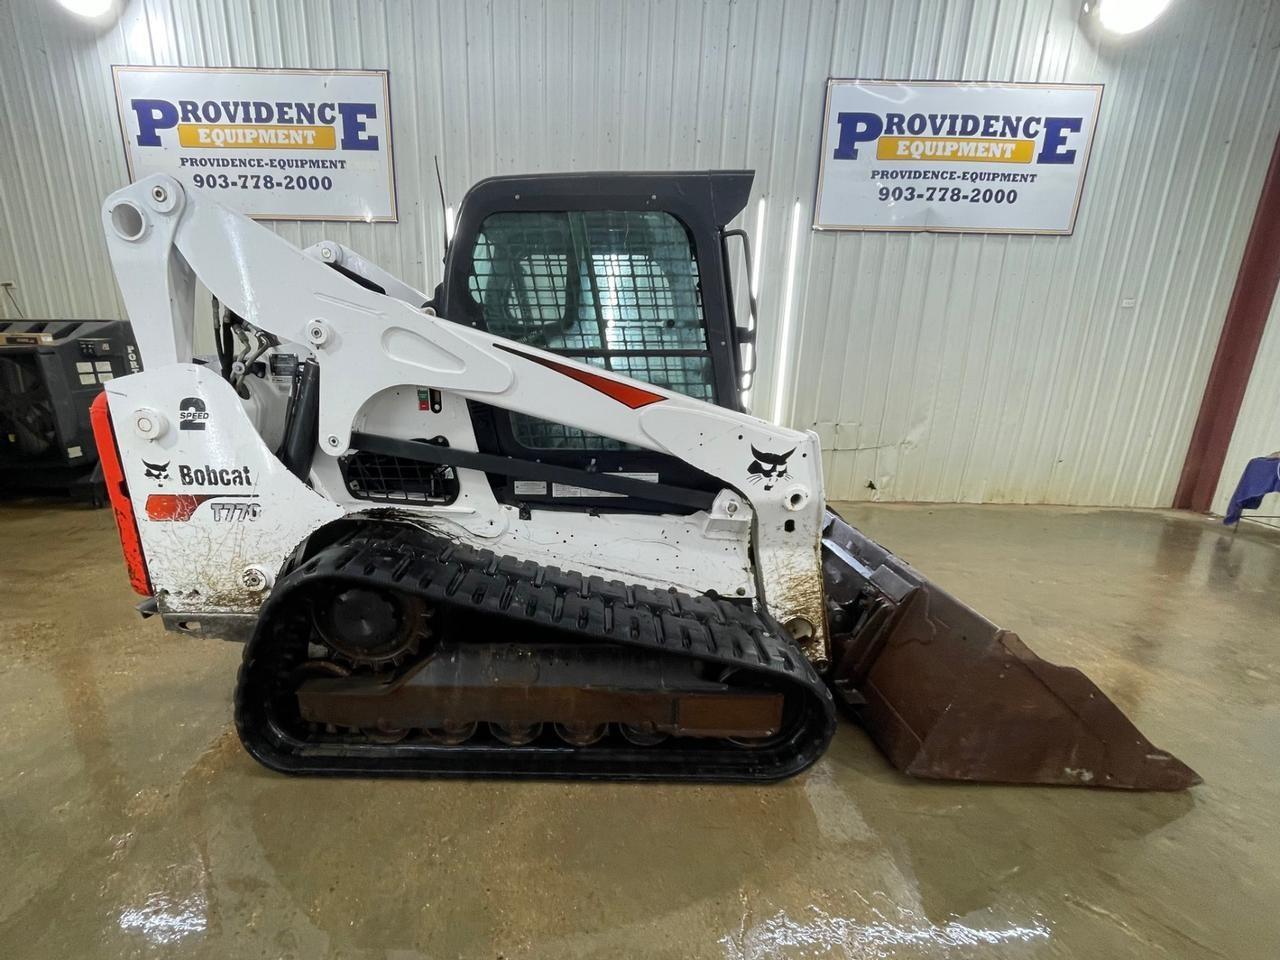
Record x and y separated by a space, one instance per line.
105 437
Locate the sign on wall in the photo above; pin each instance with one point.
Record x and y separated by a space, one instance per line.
273 144
938 156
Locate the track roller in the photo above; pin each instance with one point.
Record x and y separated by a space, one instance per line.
516 735
581 734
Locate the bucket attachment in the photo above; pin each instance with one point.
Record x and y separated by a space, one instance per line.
950 696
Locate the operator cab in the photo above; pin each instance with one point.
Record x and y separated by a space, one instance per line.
624 271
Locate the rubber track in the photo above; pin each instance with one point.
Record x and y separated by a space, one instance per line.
410 561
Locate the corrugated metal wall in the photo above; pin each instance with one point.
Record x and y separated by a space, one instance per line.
1257 430
936 368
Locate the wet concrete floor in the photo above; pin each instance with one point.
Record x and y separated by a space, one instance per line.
132 825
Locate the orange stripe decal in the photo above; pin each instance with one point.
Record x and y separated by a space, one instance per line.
626 393
175 506
105 438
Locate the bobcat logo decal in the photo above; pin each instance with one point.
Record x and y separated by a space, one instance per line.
768 468
156 471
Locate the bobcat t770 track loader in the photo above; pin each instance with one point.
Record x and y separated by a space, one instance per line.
524 527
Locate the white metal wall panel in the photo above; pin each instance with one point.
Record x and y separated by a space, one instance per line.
935 367
1257 430
1014 368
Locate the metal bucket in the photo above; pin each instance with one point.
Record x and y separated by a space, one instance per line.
949 695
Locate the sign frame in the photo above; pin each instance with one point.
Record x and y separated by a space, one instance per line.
823 151
384 73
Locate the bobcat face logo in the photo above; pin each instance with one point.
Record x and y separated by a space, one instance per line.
769 468
156 471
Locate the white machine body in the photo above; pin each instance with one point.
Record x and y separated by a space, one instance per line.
219 516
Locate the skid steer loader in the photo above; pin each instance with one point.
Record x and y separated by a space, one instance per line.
524 527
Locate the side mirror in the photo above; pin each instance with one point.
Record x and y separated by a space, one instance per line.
745 336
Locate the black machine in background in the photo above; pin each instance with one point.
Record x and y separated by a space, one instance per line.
50 372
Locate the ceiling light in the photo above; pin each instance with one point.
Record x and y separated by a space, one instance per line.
1126 16
89 9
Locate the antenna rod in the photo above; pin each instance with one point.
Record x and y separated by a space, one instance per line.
444 207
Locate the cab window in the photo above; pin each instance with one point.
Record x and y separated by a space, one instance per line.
618 289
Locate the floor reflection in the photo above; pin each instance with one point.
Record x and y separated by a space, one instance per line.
133 824
886 928
165 917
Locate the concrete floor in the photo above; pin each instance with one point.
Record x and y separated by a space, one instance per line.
131 824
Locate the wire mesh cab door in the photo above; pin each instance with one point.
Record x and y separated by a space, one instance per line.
621 271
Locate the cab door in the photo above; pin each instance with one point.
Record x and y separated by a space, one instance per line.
620 271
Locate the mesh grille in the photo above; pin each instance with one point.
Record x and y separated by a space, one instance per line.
688 375
376 476
616 288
